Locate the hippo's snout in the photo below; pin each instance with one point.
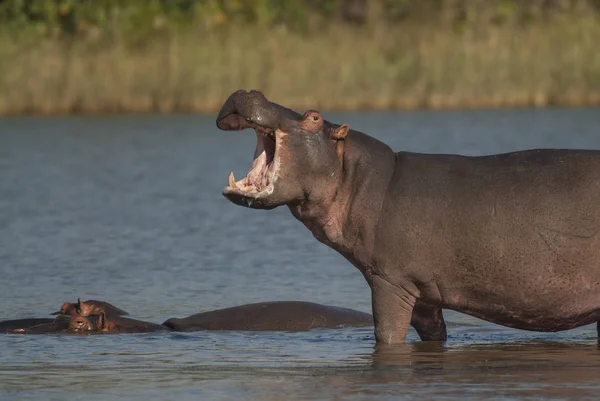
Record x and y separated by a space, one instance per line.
80 323
251 109
241 109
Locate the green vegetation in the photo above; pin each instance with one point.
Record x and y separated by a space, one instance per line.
105 56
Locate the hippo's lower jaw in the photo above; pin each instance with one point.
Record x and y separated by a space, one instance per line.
252 190
247 200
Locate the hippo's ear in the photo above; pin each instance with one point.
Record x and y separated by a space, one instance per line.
102 321
339 133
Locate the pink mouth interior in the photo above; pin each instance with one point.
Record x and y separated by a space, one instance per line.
261 172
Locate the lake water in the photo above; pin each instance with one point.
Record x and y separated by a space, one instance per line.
129 209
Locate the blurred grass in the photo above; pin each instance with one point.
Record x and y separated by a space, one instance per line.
161 64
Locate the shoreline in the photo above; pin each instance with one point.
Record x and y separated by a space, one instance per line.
594 102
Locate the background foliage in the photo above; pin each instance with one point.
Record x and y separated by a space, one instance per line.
188 55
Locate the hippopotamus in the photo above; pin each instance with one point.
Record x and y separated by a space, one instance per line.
44 325
262 316
15 324
35 326
101 323
273 316
509 238
89 307
104 323
97 323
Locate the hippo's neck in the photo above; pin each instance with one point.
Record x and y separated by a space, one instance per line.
348 219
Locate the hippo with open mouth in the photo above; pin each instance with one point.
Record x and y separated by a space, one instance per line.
509 238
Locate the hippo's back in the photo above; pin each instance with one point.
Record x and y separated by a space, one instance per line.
10 325
273 316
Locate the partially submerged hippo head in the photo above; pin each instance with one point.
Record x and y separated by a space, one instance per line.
91 323
90 307
297 156
104 323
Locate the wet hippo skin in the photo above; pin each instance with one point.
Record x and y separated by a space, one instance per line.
10 325
273 316
509 238
263 316
78 324
89 307
60 324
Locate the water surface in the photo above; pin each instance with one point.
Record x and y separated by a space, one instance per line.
129 209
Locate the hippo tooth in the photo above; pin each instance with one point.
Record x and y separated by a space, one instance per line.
248 188
231 180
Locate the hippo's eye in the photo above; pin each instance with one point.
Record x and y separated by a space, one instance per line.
315 118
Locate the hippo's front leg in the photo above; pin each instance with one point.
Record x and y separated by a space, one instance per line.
392 309
429 323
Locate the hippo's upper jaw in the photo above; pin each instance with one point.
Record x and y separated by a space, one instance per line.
252 110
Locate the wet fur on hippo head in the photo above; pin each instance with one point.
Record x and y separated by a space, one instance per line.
297 157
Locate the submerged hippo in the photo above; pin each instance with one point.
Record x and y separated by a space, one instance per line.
101 323
263 316
509 238
273 316
104 323
89 307
60 324
16 324
42 325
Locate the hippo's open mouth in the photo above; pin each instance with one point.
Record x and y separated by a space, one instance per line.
244 110
263 172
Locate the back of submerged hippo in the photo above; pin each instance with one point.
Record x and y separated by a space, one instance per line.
273 316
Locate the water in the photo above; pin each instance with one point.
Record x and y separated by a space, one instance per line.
129 210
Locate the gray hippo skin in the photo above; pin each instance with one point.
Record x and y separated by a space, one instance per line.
509 238
273 316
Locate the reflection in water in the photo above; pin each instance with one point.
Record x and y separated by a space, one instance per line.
129 210
541 368
514 353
